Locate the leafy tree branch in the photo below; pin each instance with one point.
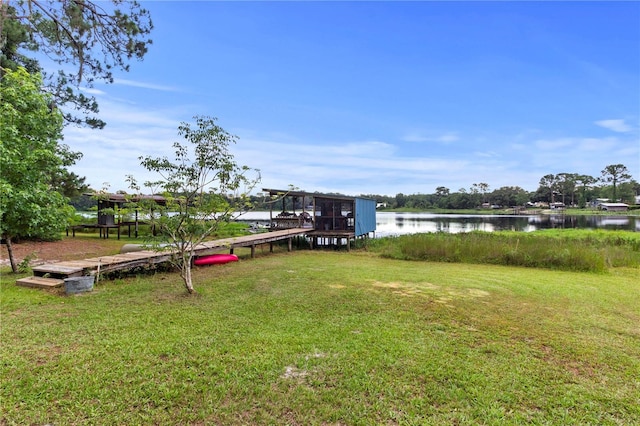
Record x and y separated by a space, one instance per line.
95 38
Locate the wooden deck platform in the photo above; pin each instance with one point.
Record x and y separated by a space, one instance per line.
40 282
47 274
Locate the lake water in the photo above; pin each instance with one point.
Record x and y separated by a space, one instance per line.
388 223
392 223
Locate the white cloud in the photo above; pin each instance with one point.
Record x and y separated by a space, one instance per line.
92 91
487 154
364 167
415 137
143 85
615 125
575 146
448 138
444 138
584 155
372 166
110 154
553 144
597 144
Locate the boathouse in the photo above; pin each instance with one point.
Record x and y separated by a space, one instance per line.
614 207
330 219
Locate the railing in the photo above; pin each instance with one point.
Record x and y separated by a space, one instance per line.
286 223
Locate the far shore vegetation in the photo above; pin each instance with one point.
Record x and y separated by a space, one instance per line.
633 211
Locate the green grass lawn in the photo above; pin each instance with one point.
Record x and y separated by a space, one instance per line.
325 337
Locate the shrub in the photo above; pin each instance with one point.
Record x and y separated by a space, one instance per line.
579 252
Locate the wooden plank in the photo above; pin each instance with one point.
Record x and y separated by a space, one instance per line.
56 268
79 263
40 282
128 256
146 253
132 263
109 260
254 239
120 258
106 259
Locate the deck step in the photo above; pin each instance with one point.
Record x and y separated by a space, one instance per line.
59 270
40 282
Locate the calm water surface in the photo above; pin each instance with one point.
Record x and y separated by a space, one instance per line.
393 223
390 223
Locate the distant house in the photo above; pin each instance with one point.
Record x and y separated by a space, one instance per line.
598 201
614 207
557 206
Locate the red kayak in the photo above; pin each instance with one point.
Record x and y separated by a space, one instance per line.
215 259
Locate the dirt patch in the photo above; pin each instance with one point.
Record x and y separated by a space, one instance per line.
66 249
442 295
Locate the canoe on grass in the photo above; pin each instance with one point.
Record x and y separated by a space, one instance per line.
215 259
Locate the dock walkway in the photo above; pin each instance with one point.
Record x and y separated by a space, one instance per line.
53 274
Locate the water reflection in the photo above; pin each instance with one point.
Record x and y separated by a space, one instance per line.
389 223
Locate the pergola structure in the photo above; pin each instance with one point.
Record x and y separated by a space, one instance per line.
108 203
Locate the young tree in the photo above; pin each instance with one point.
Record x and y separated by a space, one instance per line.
203 186
442 191
30 153
584 181
627 191
401 200
615 173
89 39
480 188
550 183
567 185
510 196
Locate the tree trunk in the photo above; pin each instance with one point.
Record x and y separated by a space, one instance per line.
186 275
12 260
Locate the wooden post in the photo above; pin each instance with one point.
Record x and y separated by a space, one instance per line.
289 244
253 251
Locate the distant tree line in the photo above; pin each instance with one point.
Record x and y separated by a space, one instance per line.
573 189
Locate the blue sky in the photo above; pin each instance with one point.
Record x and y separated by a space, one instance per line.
381 97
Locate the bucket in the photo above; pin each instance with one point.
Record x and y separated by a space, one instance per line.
76 285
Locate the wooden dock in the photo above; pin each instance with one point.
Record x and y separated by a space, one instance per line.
53 274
